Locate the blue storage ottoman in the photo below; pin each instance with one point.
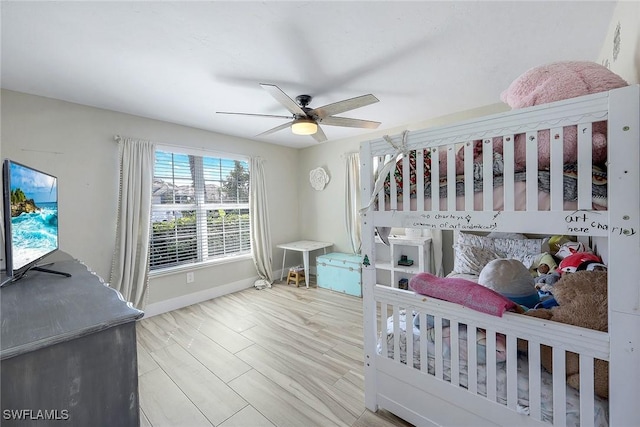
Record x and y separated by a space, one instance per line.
340 272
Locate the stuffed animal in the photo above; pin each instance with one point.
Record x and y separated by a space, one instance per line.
582 299
545 282
555 82
580 261
544 264
544 270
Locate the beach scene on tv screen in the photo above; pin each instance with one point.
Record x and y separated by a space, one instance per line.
34 214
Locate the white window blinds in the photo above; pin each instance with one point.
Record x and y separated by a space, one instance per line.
200 209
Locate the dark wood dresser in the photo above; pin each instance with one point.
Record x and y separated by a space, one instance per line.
67 351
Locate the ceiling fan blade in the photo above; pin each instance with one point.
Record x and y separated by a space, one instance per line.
283 99
351 123
275 129
319 136
342 106
252 114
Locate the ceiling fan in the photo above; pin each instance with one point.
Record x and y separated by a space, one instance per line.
306 121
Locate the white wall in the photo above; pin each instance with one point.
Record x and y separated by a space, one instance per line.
621 47
75 143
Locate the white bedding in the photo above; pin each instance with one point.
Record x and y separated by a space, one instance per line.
572 395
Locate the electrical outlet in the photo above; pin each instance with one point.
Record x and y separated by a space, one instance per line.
190 277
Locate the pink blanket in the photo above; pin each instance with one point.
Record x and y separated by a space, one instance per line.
463 292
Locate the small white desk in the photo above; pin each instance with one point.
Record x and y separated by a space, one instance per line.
304 246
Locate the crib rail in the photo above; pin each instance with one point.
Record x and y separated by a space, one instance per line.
494 371
506 177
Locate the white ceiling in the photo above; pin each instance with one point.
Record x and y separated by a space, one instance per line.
182 61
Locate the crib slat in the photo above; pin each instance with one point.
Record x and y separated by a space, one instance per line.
534 380
396 334
420 180
409 335
468 176
487 175
393 193
585 168
512 372
491 364
586 389
437 324
381 195
508 172
406 182
454 345
435 180
424 356
532 170
472 359
451 178
555 169
559 387
384 330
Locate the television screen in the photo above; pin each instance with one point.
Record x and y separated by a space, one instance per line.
31 216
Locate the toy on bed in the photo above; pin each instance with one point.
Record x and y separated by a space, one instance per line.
582 299
544 264
576 261
511 279
555 82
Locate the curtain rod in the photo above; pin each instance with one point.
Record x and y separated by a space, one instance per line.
235 156
345 155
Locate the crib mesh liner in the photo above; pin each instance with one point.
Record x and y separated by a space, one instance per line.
546 386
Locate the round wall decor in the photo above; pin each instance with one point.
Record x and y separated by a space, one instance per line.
318 178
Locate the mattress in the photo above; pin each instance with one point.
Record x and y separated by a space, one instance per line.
572 396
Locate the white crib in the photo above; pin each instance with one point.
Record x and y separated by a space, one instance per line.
422 386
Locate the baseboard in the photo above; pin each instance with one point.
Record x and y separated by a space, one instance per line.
196 297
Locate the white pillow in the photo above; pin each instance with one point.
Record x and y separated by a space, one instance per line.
526 251
515 247
471 259
475 240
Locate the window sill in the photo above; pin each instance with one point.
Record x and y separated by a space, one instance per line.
198 266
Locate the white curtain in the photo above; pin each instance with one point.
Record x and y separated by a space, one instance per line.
260 231
352 201
130 268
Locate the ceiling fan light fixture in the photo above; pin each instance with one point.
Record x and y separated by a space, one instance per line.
304 127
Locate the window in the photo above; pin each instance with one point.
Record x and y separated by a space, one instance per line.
200 209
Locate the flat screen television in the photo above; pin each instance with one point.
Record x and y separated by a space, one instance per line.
30 209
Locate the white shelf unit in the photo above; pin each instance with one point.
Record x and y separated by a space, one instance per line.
417 249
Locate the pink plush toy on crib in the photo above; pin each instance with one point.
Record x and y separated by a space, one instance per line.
550 83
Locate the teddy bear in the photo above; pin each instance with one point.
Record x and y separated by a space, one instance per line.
555 82
582 299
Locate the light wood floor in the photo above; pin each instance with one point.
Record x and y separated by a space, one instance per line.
283 356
